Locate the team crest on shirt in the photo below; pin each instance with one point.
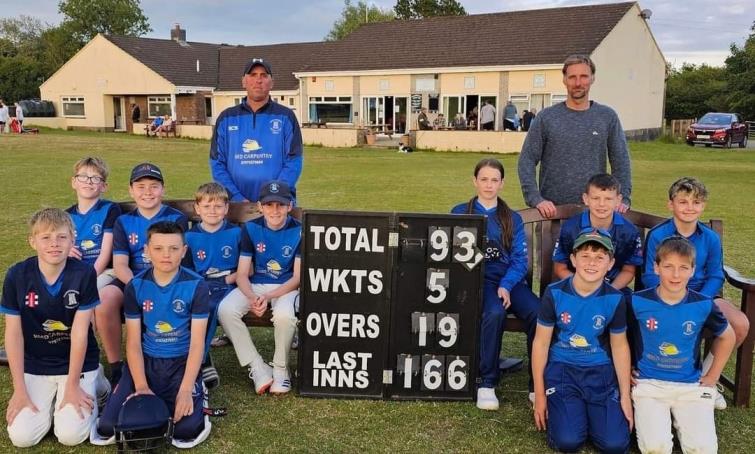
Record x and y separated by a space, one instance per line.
133 238
201 254
261 247
70 299
565 318
688 327
274 268
31 299
668 349
54 325
148 305
96 229
226 250
651 324
276 126
598 322
179 306
287 251
250 145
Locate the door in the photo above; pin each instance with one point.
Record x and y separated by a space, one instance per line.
118 123
388 114
400 106
374 112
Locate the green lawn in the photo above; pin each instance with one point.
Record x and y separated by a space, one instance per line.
36 171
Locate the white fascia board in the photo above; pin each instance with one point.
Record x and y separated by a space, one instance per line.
460 69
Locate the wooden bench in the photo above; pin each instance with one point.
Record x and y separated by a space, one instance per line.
542 235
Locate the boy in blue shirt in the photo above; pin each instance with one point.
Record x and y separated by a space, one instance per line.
213 252
667 323
52 353
146 187
602 197
687 198
93 218
270 254
166 321
581 318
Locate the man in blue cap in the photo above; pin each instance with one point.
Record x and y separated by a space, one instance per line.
256 141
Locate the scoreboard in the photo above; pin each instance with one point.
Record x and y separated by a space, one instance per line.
390 305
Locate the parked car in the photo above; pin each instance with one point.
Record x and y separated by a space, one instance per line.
716 128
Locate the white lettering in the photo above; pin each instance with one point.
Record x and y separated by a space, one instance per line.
335 280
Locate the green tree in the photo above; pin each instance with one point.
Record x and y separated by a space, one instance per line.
354 16
20 78
417 9
86 18
740 66
692 90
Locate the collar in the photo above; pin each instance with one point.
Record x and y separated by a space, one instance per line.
698 228
480 207
585 223
244 105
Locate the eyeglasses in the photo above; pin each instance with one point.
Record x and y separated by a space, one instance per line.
87 179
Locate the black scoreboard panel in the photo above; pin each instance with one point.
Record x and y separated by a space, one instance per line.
435 307
390 305
345 285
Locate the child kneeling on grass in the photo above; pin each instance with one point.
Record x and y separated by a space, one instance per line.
582 388
667 325
53 357
166 309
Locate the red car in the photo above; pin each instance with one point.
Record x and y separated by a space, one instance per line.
718 129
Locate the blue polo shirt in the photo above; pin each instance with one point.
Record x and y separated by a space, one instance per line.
582 324
91 226
212 254
130 234
708 278
273 252
625 237
47 313
504 267
249 148
166 312
666 337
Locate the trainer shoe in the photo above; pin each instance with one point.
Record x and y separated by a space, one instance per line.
486 399
281 381
720 402
262 376
102 388
220 341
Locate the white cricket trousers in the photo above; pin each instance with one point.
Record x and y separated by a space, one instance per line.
235 305
691 405
46 391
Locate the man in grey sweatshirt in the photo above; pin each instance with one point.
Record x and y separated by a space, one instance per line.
572 142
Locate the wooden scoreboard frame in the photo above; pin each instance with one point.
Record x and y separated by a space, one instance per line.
390 305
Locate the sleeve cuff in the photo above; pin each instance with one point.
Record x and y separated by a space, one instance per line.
92 305
120 252
200 316
133 316
619 330
8 311
544 323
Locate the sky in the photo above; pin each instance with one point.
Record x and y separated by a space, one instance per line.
694 31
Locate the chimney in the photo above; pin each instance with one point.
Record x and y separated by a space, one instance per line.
177 33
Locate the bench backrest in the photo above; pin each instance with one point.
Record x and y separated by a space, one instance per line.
542 233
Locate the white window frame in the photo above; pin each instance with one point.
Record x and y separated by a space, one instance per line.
469 82
538 80
384 84
425 84
338 100
158 99
330 85
237 101
555 99
65 100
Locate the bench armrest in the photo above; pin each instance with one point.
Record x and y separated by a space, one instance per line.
737 280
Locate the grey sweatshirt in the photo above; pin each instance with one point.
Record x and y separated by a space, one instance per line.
571 146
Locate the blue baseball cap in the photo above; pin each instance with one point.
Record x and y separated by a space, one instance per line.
146 170
276 191
257 62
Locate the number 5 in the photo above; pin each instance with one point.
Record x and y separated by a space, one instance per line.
437 281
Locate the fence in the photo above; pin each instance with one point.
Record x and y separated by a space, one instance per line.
750 130
678 128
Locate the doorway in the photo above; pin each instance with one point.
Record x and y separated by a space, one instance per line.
118 123
399 114
373 109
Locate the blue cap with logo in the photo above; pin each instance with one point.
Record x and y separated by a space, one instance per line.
276 191
146 170
258 62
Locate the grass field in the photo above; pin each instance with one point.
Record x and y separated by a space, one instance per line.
36 171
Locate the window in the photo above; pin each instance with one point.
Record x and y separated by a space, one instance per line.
291 101
384 84
158 106
330 85
469 82
433 103
330 109
522 103
208 106
73 106
555 99
236 101
538 81
425 84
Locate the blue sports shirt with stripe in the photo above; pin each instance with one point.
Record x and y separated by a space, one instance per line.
273 252
92 225
130 234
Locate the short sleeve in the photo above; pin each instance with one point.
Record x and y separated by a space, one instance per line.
112 215
636 256
246 248
200 305
120 242
183 221
297 253
560 254
9 304
619 321
131 306
716 322
547 314
90 297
